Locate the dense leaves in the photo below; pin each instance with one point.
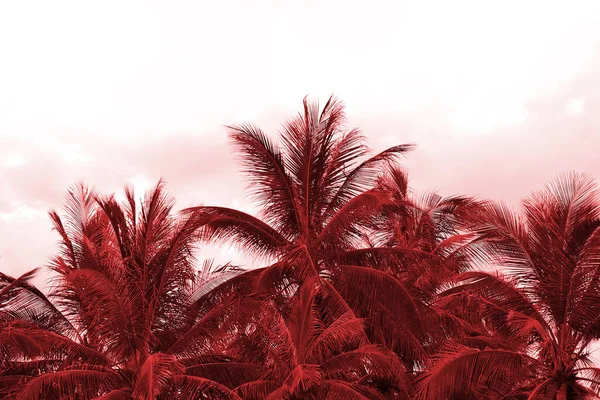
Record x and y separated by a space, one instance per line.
367 290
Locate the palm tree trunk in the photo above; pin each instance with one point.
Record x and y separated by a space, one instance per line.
564 393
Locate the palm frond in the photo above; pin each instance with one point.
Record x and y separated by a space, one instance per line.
269 180
155 375
463 372
250 234
68 383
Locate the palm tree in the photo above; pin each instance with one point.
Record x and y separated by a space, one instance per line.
420 241
127 317
541 312
316 199
318 351
413 227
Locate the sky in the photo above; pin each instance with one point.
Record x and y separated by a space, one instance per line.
499 96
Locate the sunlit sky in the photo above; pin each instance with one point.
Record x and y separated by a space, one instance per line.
500 96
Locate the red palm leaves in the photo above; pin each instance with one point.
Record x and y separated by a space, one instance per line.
547 312
124 295
318 351
314 179
318 193
368 290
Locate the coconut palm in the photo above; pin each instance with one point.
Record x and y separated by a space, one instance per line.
316 199
541 310
127 316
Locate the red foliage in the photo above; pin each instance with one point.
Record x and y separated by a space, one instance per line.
368 290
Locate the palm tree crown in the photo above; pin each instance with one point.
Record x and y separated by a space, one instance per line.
126 318
542 309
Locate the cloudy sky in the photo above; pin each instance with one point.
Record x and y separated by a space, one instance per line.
499 96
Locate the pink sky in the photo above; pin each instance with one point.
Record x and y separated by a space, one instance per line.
499 98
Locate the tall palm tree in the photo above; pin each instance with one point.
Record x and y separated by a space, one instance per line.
541 311
317 193
127 316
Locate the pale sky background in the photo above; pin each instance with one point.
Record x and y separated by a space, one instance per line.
501 96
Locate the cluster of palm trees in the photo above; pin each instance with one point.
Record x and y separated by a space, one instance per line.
367 291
